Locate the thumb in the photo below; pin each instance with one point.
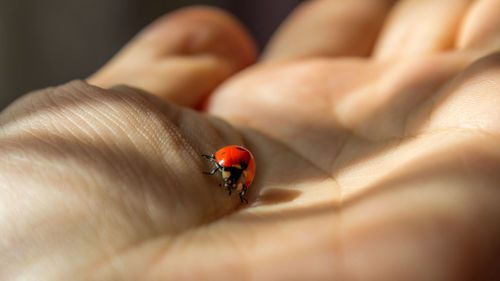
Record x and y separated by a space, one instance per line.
182 56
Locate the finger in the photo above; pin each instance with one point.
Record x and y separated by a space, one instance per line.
121 141
109 168
418 27
481 26
181 57
329 28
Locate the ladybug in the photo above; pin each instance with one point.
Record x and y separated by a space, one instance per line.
237 167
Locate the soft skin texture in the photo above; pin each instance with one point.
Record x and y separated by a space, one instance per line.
377 152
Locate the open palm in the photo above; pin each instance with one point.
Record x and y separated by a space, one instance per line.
377 152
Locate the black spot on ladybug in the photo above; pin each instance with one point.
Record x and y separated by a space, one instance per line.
223 153
243 165
239 148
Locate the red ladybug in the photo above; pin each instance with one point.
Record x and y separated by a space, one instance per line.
237 167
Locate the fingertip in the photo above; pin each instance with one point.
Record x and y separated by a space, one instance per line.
182 56
328 28
201 30
416 27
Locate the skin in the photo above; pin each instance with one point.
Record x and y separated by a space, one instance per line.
374 125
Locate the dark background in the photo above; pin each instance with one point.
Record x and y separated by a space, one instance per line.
48 42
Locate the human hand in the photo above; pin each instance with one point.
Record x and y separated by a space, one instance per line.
380 167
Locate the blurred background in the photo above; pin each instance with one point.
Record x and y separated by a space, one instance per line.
47 43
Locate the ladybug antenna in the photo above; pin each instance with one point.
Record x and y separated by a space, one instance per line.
209 157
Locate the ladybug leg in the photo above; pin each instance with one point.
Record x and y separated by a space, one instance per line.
212 159
242 193
227 186
213 171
